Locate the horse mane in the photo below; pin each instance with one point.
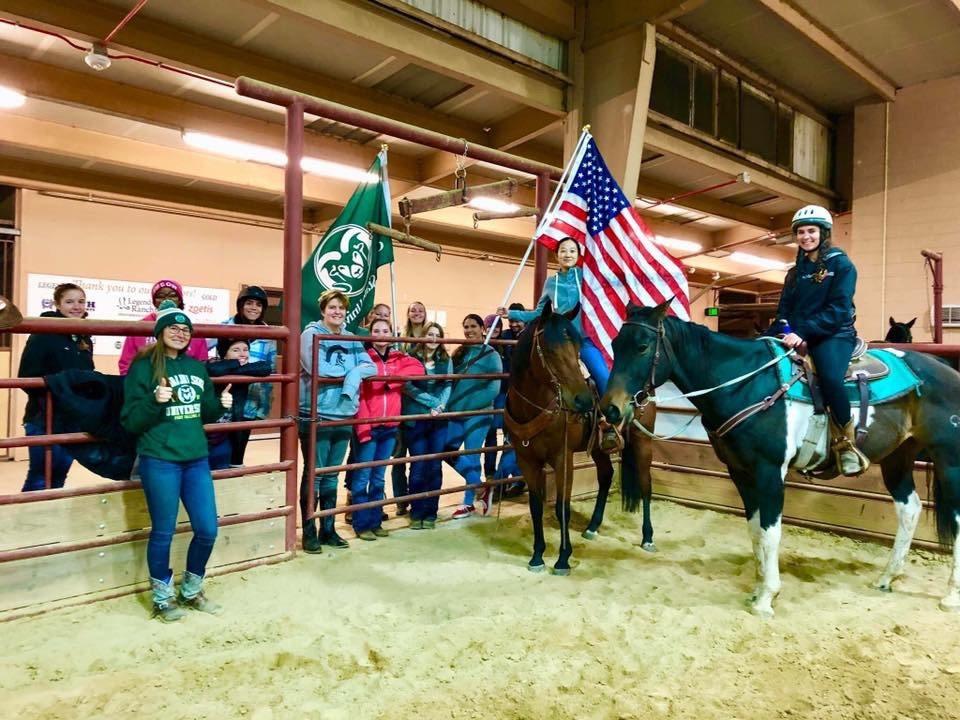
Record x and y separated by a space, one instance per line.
557 329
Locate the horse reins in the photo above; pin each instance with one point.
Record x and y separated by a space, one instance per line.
649 389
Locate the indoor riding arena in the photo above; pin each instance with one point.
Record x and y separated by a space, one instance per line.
479 359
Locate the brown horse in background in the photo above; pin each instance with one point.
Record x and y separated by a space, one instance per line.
551 413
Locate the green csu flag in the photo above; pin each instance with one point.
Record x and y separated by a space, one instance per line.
348 255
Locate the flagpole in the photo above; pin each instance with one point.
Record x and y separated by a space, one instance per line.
585 133
393 299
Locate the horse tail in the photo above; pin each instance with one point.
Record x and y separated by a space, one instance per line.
631 481
945 506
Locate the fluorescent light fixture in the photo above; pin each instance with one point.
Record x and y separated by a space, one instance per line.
674 244
756 260
10 98
492 204
328 168
234 148
240 150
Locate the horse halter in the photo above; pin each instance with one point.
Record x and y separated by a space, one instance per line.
663 346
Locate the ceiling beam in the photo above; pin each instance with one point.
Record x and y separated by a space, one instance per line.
422 44
701 203
158 40
380 72
826 41
523 126
97 92
47 176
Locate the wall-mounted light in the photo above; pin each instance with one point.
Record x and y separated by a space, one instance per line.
10 98
250 152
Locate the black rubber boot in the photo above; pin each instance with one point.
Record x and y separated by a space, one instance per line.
311 543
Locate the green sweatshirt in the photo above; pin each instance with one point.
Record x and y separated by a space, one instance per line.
171 431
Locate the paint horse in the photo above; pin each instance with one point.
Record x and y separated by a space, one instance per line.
900 332
653 348
550 413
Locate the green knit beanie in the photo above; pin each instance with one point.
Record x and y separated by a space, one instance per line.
170 314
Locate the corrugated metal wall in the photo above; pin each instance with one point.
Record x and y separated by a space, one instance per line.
496 27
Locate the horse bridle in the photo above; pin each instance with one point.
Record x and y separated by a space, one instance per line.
557 403
663 346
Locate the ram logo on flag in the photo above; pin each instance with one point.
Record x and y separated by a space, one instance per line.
622 262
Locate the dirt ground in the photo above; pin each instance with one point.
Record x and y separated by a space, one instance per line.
449 624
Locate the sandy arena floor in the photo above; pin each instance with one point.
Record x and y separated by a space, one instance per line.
449 624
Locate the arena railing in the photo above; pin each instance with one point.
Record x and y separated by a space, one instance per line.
68 326
312 471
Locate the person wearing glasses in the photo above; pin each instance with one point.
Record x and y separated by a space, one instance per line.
169 290
168 396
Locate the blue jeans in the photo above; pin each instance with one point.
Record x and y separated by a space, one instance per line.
496 423
596 365
61 461
426 437
831 357
469 432
366 484
331 449
220 453
165 484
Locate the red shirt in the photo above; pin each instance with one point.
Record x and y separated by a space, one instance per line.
383 399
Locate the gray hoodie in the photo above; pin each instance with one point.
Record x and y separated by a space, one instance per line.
345 359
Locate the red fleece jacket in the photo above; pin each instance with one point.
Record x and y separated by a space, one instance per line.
383 399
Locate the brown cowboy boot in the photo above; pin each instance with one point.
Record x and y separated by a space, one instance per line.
850 461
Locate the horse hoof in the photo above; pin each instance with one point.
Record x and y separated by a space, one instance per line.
589 534
764 613
950 605
883 587
649 547
536 568
562 572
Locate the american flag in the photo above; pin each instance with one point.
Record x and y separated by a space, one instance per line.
622 262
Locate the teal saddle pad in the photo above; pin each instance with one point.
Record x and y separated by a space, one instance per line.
900 381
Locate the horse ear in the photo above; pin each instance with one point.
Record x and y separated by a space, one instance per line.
910 324
892 322
660 311
572 313
547 310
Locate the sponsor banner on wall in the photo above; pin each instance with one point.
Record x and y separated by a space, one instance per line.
123 300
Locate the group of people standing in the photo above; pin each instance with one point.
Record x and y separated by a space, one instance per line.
375 409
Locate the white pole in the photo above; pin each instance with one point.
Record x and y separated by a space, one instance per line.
574 160
393 299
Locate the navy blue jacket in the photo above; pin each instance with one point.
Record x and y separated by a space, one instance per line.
819 310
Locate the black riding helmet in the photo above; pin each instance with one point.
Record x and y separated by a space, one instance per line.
252 292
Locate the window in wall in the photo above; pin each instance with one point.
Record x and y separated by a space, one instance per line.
728 109
758 123
784 136
670 90
704 98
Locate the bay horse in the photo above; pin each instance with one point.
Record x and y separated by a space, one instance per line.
653 348
550 413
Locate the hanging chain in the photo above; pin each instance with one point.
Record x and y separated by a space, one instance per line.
460 174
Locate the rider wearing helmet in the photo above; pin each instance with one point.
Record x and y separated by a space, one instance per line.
816 308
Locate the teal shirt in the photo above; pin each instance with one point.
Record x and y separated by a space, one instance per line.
563 290
475 394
